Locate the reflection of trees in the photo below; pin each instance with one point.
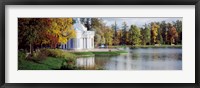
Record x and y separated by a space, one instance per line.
103 60
136 53
136 59
155 56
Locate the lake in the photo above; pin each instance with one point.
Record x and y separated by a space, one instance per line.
136 59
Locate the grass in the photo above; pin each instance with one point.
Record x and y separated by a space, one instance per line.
92 53
53 63
83 54
29 65
47 64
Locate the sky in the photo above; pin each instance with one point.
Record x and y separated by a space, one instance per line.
138 21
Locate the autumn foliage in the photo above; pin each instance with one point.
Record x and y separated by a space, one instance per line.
44 32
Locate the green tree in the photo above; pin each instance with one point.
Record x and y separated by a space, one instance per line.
146 35
97 39
97 25
164 33
86 22
159 36
115 34
108 37
124 30
135 35
103 41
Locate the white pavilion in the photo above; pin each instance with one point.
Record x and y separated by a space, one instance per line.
84 38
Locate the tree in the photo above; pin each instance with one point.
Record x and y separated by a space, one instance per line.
172 33
102 40
86 22
124 29
178 26
146 34
159 36
31 32
114 27
154 32
164 33
120 36
97 25
97 39
108 36
62 29
135 35
36 32
115 34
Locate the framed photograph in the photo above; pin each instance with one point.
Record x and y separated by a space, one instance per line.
109 43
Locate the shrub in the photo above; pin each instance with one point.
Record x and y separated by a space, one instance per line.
37 55
21 56
58 53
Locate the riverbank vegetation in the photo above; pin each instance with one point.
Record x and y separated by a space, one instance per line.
55 59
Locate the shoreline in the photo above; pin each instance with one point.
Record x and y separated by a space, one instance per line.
148 46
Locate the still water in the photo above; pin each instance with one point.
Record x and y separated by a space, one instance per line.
136 59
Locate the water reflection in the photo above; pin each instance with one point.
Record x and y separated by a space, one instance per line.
137 59
86 62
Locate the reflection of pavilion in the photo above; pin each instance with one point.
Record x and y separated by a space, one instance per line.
87 62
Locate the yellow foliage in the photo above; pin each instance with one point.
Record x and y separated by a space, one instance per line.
63 29
154 29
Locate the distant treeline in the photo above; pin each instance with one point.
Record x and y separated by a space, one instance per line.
150 34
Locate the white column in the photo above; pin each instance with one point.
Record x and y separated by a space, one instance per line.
83 43
93 42
86 45
89 43
79 42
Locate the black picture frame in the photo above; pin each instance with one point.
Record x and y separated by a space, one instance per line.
98 2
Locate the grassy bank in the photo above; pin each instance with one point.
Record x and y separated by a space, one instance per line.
92 53
83 54
46 59
46 64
